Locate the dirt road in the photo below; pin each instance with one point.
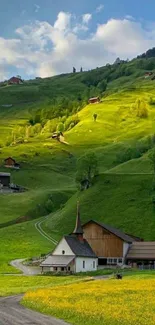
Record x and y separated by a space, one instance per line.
12 313
27 270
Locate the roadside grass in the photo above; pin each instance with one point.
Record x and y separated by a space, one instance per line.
112 302
13 285
21 241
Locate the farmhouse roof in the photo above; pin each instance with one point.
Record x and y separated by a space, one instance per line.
93 98
79 247
142 250
78 227
10 158
127 238
58 260
5 174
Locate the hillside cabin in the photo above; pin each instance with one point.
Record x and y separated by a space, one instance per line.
148 74
15 81
95 100
11 163
5 179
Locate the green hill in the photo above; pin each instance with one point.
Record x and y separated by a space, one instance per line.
122 138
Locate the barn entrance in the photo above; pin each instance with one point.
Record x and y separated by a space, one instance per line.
102 261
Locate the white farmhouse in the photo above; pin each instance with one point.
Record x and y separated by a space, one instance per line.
73 254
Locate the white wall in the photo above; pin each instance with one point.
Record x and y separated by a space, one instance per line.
63 246
125 248
88 264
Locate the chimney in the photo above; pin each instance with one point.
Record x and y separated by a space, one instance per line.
78 231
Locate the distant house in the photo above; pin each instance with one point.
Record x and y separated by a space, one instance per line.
11 163
5 179
148 74
94 100
15 81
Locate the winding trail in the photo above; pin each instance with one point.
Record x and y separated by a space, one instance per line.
43 233
12 313
26 270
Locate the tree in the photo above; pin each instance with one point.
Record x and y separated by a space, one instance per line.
74 70
81 70
140 108
87 169
102 85
95 117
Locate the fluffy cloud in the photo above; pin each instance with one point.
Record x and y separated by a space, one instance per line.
45 50
63 21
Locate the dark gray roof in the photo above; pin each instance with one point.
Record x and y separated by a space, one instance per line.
57 260
114 231
141 251
78 247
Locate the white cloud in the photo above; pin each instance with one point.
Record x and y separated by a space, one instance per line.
99 8
86 18
37 8
129 17
44 50
63 21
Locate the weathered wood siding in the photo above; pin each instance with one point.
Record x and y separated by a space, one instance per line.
9 162
103 243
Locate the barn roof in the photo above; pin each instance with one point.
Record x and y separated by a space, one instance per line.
127 238
78 247
5 174
142 250
57 260
9 158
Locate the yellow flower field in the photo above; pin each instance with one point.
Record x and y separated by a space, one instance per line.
112 302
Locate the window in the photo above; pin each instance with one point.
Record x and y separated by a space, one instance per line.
120 261
94 264
69 268
63 252
55 268
112 261
62 269
83 264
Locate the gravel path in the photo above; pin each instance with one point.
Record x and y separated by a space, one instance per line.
27 270
12 313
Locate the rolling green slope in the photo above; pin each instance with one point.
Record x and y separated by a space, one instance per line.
122 193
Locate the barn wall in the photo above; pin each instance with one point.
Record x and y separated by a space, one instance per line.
103 243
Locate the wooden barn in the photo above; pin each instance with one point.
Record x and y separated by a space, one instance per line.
15 81
95 100
5 179
108 243
11 163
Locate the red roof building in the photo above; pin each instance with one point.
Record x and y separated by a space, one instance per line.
94 100
15 81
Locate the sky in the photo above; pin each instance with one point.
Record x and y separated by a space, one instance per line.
42 38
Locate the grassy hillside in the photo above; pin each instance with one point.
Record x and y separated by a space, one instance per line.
121 140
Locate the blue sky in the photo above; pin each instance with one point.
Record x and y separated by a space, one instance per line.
47 37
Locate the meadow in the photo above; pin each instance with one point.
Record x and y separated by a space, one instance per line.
113 302
13 285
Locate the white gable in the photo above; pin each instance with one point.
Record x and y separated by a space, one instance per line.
63 246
